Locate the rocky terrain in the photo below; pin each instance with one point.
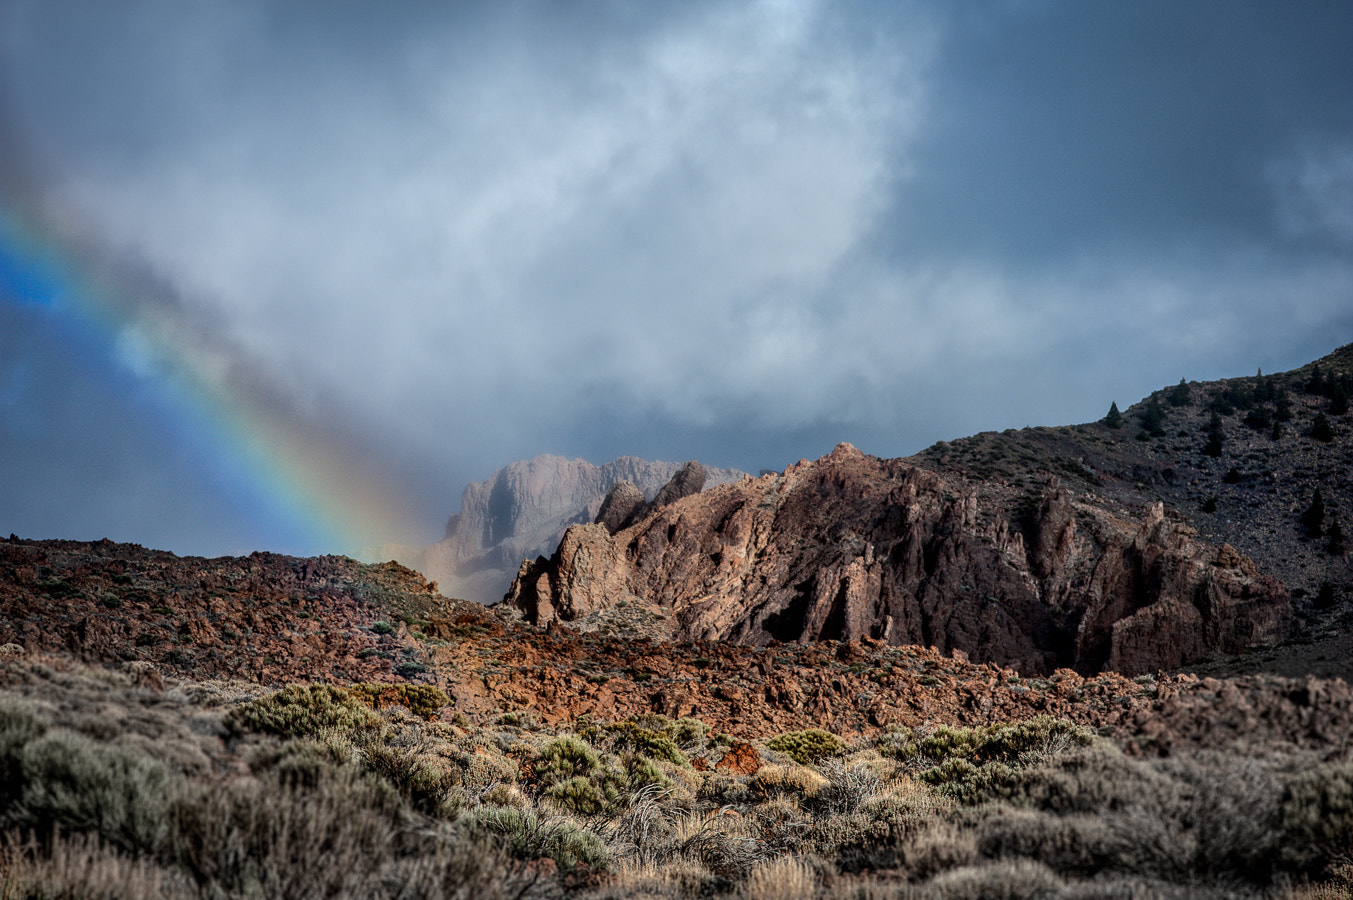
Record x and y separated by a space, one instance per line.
1087 546
522 510
271 619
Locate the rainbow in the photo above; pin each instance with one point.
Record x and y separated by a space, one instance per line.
307 479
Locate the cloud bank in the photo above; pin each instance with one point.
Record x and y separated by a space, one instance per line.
438 239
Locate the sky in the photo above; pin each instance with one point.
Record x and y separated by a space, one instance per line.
288 275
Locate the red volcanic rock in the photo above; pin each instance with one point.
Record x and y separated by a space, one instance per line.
852 547
741 759
264 617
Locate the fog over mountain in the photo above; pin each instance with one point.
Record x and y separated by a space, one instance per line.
289 276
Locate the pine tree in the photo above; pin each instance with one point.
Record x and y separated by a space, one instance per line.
1216 437
1153 419
1115 418
1314 517
1316 385
1338 401
1336 539
1321 429
1282 407
1180 394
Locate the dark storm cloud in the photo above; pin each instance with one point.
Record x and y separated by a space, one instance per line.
1061 124
468 233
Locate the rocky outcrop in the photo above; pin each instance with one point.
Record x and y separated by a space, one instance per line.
522 511
623 505
852 547
689 479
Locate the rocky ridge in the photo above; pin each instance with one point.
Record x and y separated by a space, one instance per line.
852 547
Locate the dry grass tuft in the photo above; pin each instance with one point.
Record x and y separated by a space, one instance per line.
786 878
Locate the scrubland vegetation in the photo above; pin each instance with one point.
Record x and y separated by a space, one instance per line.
224 790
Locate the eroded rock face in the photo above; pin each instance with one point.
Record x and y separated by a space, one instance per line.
852 547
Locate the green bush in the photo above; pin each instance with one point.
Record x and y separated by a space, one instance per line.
972 764
524 836
572 774
19 724
585 796
1009 742
654 744
422 700
72 784
299 710
807 747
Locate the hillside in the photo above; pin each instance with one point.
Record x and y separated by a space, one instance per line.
1252 495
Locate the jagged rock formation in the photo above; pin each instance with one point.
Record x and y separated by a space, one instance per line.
852 547
523 509
623 505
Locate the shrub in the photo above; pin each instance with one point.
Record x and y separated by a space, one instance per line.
1317 813
788 781
19 724
422 778
971 764
411 669
73 784
422 700
298 710
523 835
807 747
1010 742
261 837
383 628
573 776
785 878
81 866
847 788
654 744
